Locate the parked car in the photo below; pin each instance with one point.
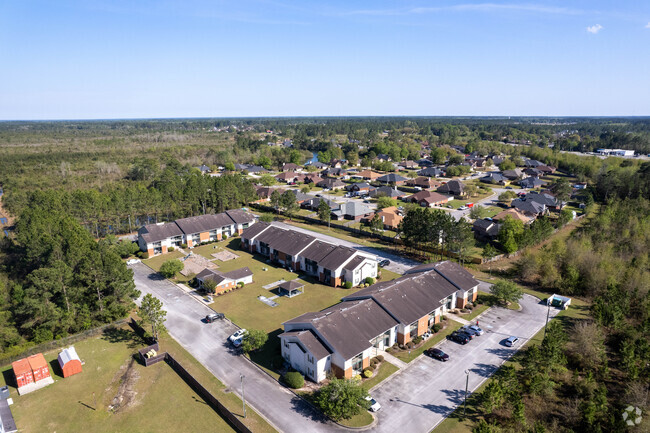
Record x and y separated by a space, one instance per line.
463 208
466 332
384 263
132 261
237 337
437 354
475 329
508 187
459 337
214 317
511 341
503 205
374 405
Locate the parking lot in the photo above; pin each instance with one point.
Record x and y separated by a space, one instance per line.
424 393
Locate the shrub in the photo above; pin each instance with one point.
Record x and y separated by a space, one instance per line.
436 328
379 358
374 361
170 268
370 281
348 284
253 340
444 317
143 255
294 380
224 237
409 345
417 340
367 373
463 310
469 307
372 366
170 249
183 246
240 284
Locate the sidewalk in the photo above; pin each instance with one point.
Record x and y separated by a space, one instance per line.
458 318
393 360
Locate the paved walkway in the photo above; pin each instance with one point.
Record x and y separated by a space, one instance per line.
457 318
392 359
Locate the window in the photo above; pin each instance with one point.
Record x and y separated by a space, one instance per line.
414 329
357 362
310 359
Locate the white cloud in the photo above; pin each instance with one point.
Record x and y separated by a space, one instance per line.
594 29
647 26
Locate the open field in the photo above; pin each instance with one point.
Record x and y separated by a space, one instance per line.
154 398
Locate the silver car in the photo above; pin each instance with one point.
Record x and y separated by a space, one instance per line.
474 329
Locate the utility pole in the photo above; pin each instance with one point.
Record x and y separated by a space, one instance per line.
243 399
466 387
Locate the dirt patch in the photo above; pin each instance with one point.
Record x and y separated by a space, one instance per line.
224 255
126 393
195 263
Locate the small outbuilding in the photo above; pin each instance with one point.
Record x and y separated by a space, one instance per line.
22 372
291 288
31 373
69 362
559 301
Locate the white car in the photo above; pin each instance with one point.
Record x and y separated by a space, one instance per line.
374 405
237 337
463 208
132 261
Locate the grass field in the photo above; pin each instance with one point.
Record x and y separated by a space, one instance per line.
154 398
408 356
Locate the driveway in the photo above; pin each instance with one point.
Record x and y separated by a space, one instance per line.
423 394
398 263
208 344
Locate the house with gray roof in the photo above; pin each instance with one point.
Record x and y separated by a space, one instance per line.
431 172
453 187
225 280
386 191
344 337
513 174
192 231
331 264
494 178
531 183
353 210
392 179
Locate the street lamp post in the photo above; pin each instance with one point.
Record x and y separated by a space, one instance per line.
243 399
466 387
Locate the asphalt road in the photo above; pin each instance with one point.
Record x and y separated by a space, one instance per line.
398 263
420 396
208 344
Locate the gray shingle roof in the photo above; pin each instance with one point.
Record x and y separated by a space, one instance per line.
310 342
349 327
157 232
337 257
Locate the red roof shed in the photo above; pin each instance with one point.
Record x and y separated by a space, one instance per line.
69 362
23 372
39 367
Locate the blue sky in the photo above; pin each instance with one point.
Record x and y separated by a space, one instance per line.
197 58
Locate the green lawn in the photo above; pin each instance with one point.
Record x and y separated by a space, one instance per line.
384 371
161 400
405 356
156 261
362 419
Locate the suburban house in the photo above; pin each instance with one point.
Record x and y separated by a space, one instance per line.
428 198
204 169
330 183
225 280
290 177
531 183
485 229
192 231
390 216
317 164
368 175
495 178
513 213
431 172
392 179
314 202
334 171
544 198
341 339
358 188
301 197
424 163
313 178
453 187
382 157
410 165
332 264
529 207
264 192
290 166
353 210
423 182
386 191
514 174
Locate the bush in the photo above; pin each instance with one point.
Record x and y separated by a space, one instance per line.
379 358
469 307
348 284
170 268
409 345
417 340
183 246
253 340
294 380
224 237
240 284
367 373
370 281
444 317
436 328
170 249
143 255
374 361
372 366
